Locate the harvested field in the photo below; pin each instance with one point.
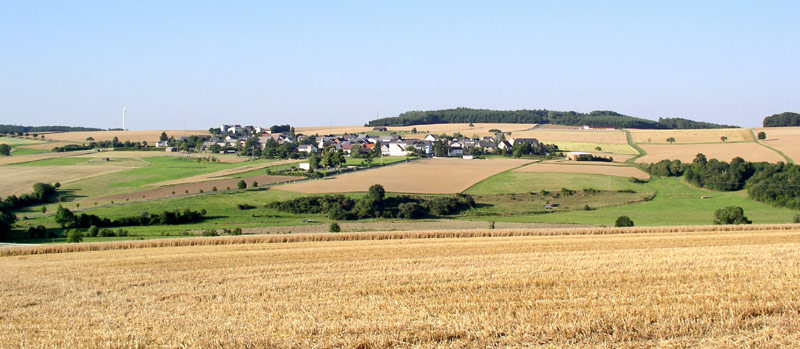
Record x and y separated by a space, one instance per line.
619 171
581 136
18 159
622 149
680 289
402 226
194 188
725 152
151 136
692 136
48 145
785 139
429 176
20 179
219 174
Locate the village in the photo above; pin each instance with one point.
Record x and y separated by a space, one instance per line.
254 140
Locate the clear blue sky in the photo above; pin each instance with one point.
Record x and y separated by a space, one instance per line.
201 63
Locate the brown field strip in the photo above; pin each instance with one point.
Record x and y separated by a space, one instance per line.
582 136
151 136
481 129
724 289
219 174
785 139
428 176
20 179
692 136
724 152
194 188
619 171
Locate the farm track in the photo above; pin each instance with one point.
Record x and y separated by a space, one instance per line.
755 139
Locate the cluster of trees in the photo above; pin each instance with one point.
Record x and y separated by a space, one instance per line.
5 150
590 157
539 116
782 119
20 130
42 193
375 204
776 184
525 148
68 219
719 175
731 215
666 168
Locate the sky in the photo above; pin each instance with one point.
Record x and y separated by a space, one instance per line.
198 64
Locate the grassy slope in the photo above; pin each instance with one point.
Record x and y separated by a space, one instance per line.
676 202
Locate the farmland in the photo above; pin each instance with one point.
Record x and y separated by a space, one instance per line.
712 289
692 136
620 171
150 136
429 176
722 151
785 139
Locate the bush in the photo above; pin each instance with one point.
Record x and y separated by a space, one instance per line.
106 233
334 228
491 225
254 185
762 135
37 232
245 207
242 184
210 232
730 215
74 236
797 218
93 230
587 208
236 231
623 221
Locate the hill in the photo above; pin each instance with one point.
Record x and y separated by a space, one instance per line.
27 129
782 119
537 116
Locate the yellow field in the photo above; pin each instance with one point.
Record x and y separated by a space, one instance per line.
720 151
622 149
722 289
429 176
620 171
20 179
785 139
151 136
692 136
580 136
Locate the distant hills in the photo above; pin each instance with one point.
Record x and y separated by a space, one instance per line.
28 129
540 116
782 119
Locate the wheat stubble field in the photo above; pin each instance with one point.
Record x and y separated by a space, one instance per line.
721 289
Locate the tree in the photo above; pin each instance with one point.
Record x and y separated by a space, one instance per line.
242 184
414 130
623 221
90 139
376 192
671 139
163 137
255 184
730 215
74 236
334 228
313 161
5 149
723 138
332 157
762 135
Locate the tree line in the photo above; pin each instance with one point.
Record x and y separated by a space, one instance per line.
376 205
68 219
42 193
538 116
20 130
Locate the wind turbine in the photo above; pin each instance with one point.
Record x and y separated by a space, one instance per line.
123 117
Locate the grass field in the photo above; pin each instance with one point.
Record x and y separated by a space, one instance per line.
722 151
718 289
619 171
428 176
675 203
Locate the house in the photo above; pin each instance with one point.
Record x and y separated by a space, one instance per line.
161 144
398 149
504 145
573 155
305 166
456 149
487 145
431 137
467 157
307 148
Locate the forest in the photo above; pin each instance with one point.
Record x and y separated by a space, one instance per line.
782 119
26 129
539 116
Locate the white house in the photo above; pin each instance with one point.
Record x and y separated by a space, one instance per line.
398 149
431 137
307 148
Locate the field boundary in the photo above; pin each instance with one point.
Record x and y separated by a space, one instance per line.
633 144
755 138
436 234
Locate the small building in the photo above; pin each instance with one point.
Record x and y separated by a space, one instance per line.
305 166
467 157
573 155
